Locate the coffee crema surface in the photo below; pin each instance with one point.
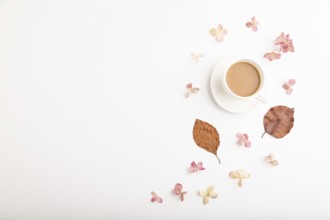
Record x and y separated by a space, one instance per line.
243 79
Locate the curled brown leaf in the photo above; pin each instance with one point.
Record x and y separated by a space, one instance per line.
278 121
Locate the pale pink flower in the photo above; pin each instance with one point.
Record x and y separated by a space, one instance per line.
253 24
178 191
243 139
272 56
191 90
156 198
196 167
218 33
288 86
270 159
285 43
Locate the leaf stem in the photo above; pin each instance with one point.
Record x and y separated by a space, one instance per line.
218 159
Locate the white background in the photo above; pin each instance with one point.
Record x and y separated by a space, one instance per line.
93 115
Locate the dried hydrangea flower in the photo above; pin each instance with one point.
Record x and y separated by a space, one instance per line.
288 86
253 24
243 139
156 198
207 194
285 43
195 57
178 191
270 159
272 56
196 167
191 90
240 175
218 33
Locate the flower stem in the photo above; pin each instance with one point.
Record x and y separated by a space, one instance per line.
263 134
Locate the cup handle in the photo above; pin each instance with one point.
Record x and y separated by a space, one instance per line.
261 99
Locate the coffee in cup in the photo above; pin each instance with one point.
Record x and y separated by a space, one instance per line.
243 79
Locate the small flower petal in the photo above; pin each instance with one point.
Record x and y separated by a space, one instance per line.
210 188
247 144
202 193
239 136
206 200
246 137
213 194
234 175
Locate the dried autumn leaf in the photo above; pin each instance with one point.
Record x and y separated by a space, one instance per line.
206 137
278 121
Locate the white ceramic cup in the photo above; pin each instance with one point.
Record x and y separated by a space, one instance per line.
258 93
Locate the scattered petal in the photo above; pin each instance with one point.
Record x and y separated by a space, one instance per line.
285 43
240 175
253 24
243 139
195 57
270 159
288 86
209 193
272 56
196 167
191 90
178 191
156 198
218 33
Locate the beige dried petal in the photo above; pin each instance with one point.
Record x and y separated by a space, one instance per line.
213 194
210 188
274 163
240 175
240 182
202 193
213 32
234 175
206 200
270 159
243 174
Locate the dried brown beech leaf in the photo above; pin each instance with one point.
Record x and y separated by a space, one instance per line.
206 137
278 121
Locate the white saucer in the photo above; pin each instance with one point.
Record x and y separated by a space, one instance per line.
226 102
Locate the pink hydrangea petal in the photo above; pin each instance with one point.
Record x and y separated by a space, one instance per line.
239 135
246 137
224 32
286 86
249 24
292 82
192 169
177 188
247 144
160 200
267 55
200 166
240 142
289 91
189 85
255 28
